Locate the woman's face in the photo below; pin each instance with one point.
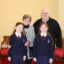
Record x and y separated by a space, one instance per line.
19 28
26 21
43 28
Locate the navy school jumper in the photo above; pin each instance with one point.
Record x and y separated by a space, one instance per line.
17 48
43 47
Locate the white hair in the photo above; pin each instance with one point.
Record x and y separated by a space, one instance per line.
45 9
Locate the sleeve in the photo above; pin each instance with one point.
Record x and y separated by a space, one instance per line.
10 43
36 27
9 53
24 39
58 36
32 36
25 50
25 47
35 47
51 48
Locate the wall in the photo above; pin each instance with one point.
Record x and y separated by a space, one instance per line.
61 15
12 11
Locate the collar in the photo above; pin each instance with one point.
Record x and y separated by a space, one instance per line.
46 20
18 34
42 34
26 26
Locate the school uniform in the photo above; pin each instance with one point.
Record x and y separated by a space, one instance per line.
43 48
17 50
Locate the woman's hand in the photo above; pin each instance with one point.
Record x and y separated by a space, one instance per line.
50 60
34 59
27 43
9 58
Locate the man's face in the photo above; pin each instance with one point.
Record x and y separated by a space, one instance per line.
45 14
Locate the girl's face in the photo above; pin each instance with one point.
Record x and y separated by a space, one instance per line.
19 28
43 28
26 21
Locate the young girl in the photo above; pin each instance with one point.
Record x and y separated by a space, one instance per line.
17 45
30 35
43 46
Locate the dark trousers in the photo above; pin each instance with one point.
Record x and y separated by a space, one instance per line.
42 60
17 59
28 61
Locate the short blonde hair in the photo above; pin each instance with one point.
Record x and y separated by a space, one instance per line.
26 16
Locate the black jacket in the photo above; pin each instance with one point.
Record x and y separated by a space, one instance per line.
54 30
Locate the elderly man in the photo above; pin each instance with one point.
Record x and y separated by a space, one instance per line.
54 28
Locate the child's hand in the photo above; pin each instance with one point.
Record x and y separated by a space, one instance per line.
9 46
34 59
9 58
50 60
24 58
27 43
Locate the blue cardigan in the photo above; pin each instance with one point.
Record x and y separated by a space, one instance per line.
43 46
17 45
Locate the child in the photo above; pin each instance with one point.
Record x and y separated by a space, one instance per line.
30 35
17 46
43 46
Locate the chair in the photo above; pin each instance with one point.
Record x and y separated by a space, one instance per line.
4 50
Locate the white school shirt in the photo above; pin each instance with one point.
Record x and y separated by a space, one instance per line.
42 34
18 34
